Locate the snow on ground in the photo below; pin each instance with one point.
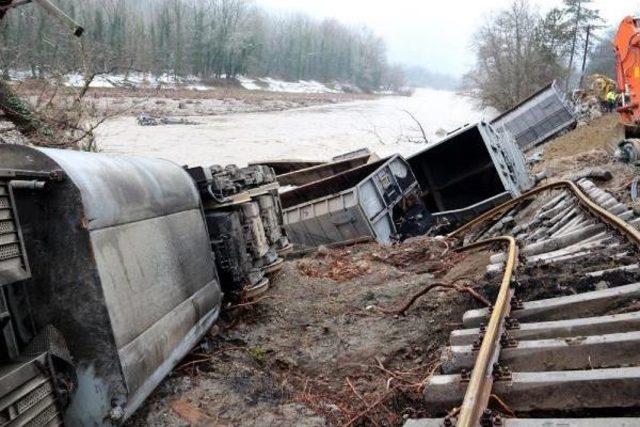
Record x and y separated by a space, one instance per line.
275 85
167 81
138 80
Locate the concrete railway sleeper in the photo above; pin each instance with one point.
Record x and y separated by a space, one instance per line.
561 345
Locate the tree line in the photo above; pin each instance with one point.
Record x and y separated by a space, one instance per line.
210 39
519 50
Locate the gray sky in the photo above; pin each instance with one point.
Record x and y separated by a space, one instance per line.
435 34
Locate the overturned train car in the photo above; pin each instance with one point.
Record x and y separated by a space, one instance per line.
244 218
107 280
469 172
357 203
538 118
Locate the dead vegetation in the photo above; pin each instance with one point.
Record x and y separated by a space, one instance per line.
349 336
329 345
49 116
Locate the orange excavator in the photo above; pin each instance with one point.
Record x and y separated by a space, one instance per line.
627 47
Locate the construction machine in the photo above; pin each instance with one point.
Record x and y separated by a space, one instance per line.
627 47
601 85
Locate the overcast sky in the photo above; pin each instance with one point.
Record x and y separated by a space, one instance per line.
435 34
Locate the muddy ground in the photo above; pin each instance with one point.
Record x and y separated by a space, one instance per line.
163 102
324 347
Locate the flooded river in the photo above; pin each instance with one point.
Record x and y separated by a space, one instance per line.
314 133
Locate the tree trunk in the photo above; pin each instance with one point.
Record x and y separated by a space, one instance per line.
573 45
21 116
17 111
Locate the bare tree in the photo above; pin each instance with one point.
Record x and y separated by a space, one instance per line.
516 54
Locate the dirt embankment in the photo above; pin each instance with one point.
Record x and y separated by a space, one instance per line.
603 133
324 347
178 102
588 147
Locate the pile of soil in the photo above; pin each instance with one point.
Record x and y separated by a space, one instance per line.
588 147
602 133
323 346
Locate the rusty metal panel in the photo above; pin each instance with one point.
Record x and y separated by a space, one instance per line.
280 167
470 167
322 171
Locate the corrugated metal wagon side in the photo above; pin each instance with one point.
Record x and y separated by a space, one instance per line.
538 118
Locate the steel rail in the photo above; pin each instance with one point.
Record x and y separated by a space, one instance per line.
478 391
481 382
583 199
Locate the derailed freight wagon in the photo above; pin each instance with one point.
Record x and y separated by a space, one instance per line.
543 115
470 171
244 218
351 205
107 280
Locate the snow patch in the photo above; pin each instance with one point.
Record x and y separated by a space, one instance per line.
275 85
248 83
133 79
167 81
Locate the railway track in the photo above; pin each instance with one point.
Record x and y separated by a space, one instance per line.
561 344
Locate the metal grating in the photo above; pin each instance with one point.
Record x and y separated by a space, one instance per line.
32 398
13 261
9 251
7 227
30 404
45 417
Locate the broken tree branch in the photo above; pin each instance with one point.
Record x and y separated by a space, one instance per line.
417 296
424 134
378 402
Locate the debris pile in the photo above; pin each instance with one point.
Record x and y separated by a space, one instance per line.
418 255
145 119
421 255
334 265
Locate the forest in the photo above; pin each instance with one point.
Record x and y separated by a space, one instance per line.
518 49
210 39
